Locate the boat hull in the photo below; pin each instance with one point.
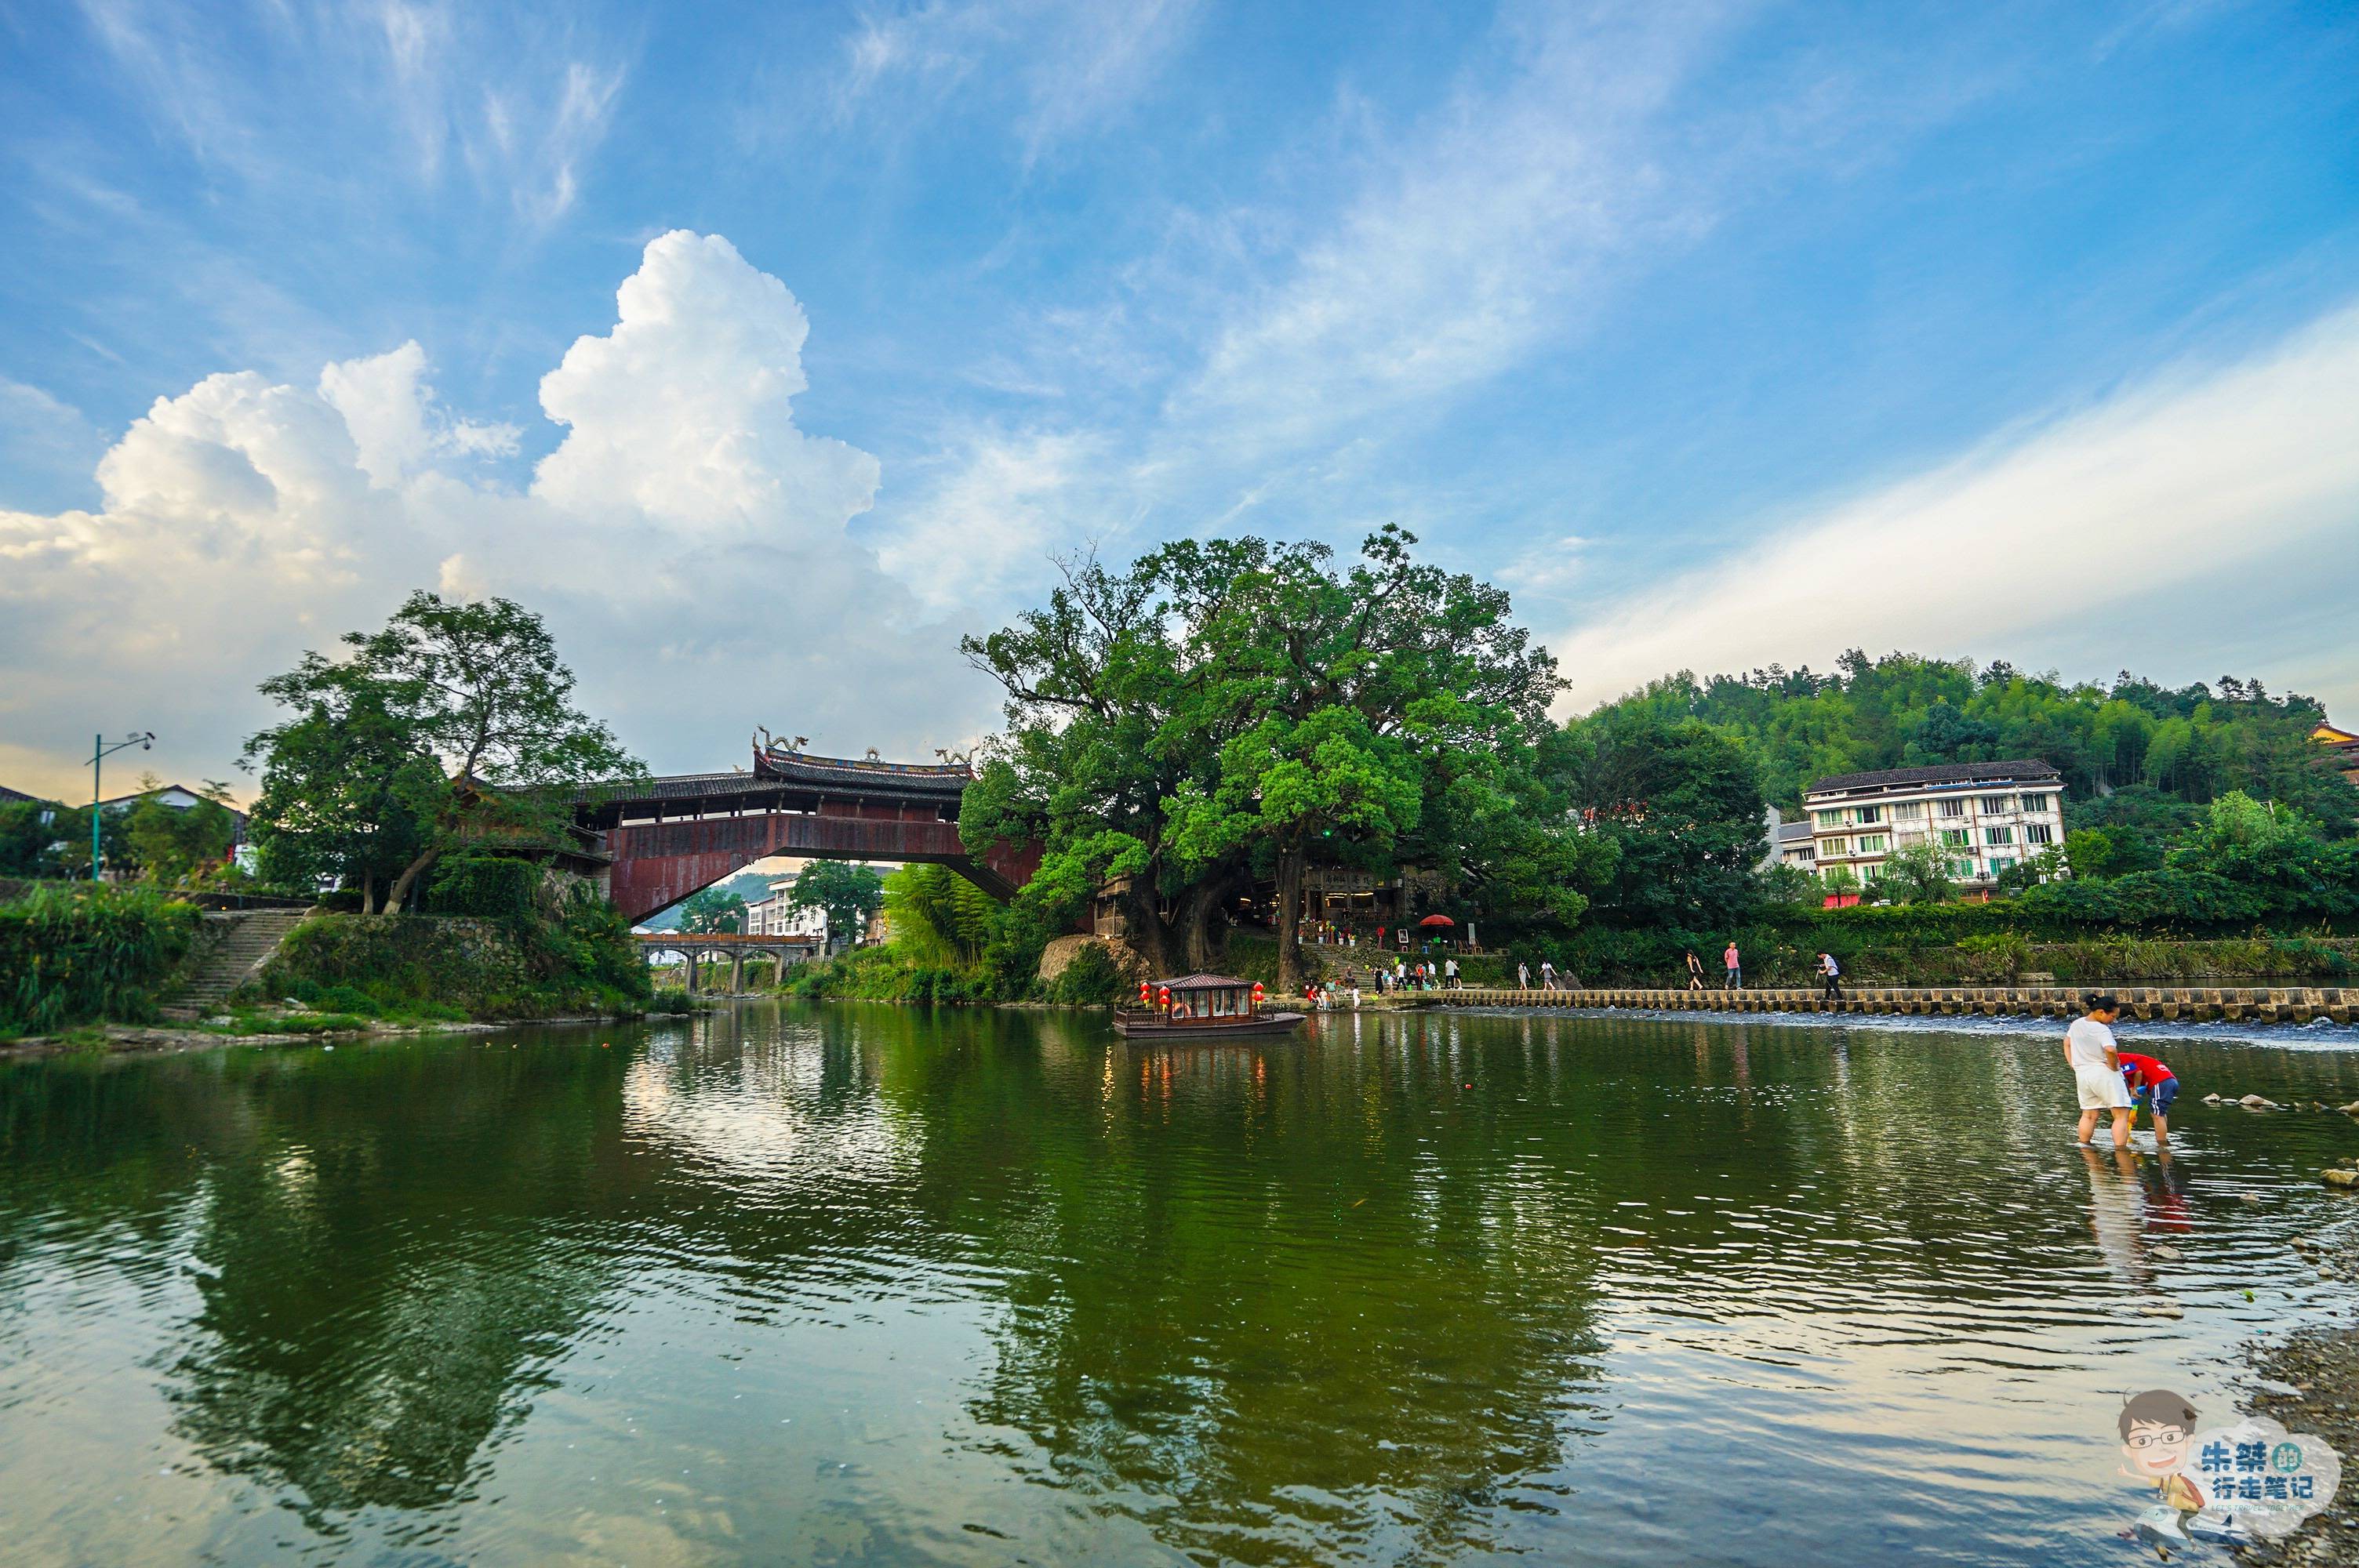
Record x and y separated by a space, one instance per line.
1155 1026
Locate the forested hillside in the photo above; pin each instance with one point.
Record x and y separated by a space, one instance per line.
2193 743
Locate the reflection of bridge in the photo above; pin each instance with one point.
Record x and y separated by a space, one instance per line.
668 836
694 946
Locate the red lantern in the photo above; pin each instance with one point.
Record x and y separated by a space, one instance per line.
1256 993
1142 993
1163 996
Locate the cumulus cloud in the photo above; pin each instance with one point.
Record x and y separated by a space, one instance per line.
686 539
2168 518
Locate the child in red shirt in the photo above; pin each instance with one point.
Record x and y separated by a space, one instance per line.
2151 1084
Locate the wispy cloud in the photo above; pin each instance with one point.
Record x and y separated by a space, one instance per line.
1074 65
2137 527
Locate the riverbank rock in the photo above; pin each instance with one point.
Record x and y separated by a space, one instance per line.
2333 1177
2210 1099
2168 1254
1059 954
2257 1102
2351 1110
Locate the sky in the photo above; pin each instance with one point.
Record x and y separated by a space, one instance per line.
767 349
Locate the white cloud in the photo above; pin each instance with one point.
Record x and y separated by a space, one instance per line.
685 541
996 515
2156 528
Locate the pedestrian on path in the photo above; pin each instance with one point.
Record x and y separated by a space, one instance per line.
2096 1063
1735 963
2153 1085
1831 974
1450 973
1523 976
1548 975
1695 971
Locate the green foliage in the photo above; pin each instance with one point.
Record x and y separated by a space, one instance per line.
1230 708
1917 873
713 911
2191 745
938 917
172 844
1092 979
1678 804
73 953
578 958
848 894
489 887
474 689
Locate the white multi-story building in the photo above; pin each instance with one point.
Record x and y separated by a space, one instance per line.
1986 817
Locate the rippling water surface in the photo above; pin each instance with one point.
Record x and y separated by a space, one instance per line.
846 1284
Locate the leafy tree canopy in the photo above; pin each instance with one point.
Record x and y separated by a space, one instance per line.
478 690
712 912
848 894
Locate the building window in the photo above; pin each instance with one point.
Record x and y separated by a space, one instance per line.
2038 833
1961 869
1994 804
1908 811
2000 863
1953 806
1870 814
1872 871
2038 803
1871 844
1835 847
1954 838
1828 818
1998 836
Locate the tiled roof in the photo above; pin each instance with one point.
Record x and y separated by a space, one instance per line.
1793 833
1203 983
2023 770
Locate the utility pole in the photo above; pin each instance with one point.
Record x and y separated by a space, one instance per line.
99 751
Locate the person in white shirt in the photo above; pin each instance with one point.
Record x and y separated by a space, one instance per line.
1450 972
1523 976
1831 975
2097 1069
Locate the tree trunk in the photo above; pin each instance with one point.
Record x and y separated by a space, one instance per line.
1198 913
1149 937
368 885
409 875
1289 922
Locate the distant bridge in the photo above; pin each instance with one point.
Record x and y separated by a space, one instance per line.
696 948
666 838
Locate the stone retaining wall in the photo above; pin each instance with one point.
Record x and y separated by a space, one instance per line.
2257 1004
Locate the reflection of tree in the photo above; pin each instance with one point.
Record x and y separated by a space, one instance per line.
1279 1294
384 1262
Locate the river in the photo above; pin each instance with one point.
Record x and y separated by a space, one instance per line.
861 1285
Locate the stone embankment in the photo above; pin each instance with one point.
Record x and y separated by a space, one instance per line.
2246 1004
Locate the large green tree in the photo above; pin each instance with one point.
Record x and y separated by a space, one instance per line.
712 912
349 795
1225 710
846 893
478 688
172 844
1679 803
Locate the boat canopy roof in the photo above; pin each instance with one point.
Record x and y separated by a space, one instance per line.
1204 983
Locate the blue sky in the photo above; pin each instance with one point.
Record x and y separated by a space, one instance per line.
1722 334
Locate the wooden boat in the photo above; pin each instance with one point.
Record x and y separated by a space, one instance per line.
1202 1007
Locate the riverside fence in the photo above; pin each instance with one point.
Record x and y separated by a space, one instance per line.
2256 1004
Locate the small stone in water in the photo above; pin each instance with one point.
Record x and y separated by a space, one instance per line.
2256 1102
2168 1254
2161 1309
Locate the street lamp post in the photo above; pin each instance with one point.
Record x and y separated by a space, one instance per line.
99 751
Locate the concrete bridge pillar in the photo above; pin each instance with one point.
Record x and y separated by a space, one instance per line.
691 957
737 973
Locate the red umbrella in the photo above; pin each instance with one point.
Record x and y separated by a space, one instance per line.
1436 920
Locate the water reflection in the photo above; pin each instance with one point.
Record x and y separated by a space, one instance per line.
872 1283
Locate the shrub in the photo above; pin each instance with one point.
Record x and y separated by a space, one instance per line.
1090 979
488 887
73 953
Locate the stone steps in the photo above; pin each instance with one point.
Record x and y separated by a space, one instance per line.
238 944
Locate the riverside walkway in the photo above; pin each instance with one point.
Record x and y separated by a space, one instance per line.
2253 1004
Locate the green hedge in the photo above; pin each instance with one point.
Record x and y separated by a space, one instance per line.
69 955
433 965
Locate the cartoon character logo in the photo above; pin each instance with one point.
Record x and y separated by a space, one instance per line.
2224 1485
2157 1427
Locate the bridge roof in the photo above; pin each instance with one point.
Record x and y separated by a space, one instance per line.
870 777
842 772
